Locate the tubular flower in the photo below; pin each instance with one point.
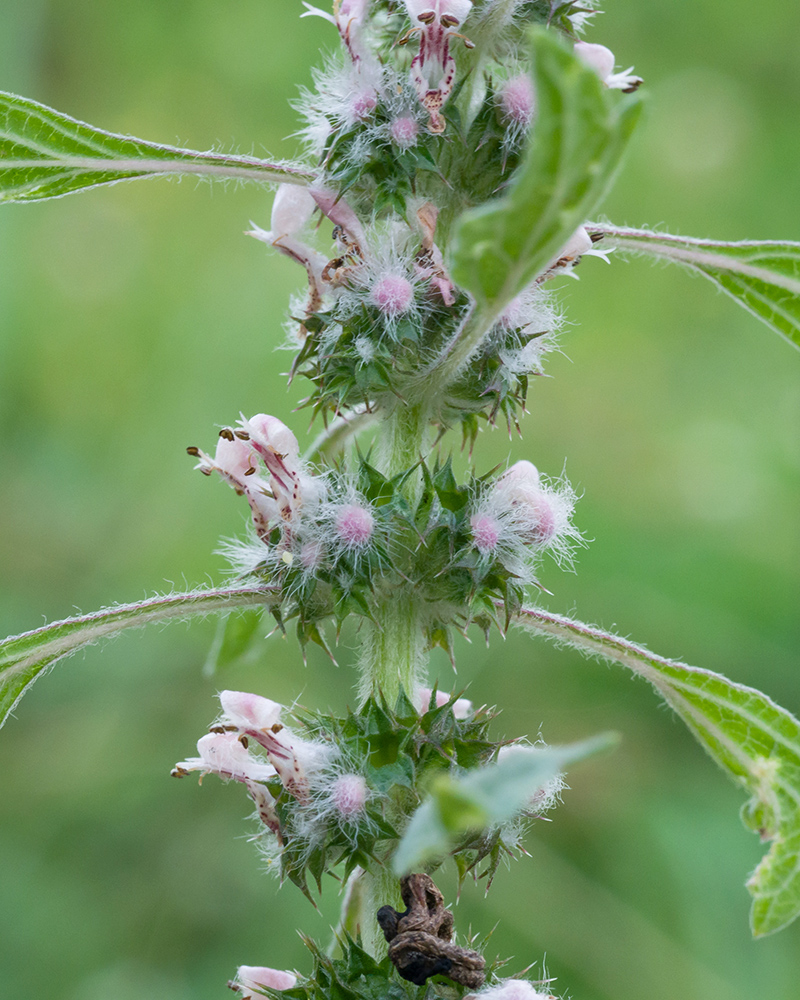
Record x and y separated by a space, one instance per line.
274 498
255 977
293 758
291 210
433 69
223 754
601 60
348 17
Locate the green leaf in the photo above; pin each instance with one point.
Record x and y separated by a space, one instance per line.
24 657
762 276
46 154
575 148
235 639
756 741
485 797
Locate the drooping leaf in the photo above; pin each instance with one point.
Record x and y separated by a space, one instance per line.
763 276
484 798
24 657
575 148
47 154
756 741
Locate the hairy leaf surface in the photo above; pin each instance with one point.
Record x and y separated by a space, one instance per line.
762 276
484 798
47 154
24 657
756 741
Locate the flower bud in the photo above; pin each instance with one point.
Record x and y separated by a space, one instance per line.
349 794
393 294
354 525
404 132
518 101
486 532
253 977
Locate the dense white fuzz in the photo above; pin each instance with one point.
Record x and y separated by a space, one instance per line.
601 60
549 795
512 989
344 95
254 977
349 795
521 515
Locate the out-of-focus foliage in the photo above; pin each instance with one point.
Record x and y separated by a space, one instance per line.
133 318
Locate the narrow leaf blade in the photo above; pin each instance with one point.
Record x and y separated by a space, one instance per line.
762 276
576 146
47 154
24 657
754 740
484 798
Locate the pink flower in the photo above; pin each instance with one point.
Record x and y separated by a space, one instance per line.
433 69
223 754
601 60
263 443
253 977
293 758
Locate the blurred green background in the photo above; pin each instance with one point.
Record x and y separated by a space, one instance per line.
136 319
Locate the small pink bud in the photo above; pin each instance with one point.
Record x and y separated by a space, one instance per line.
363 104
354 525
249 711
349 794
518 101
485 532
404 132
253 977
393 294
